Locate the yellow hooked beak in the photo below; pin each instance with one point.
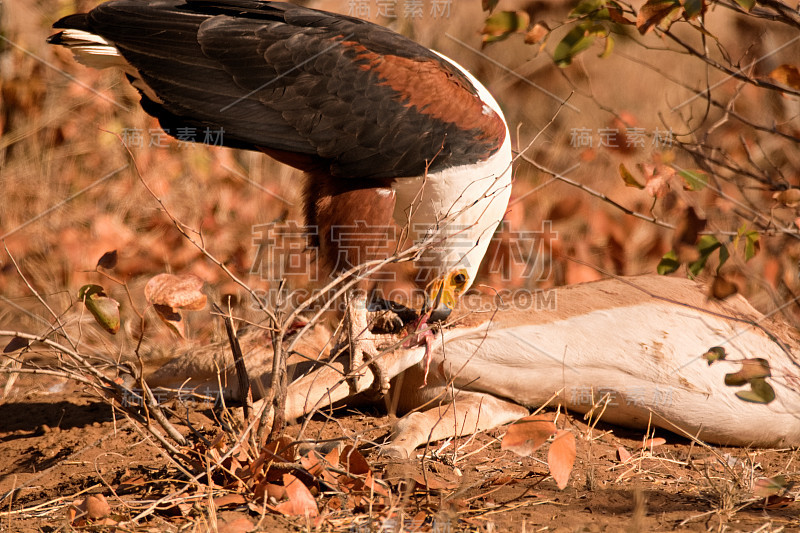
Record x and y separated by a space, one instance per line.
443 293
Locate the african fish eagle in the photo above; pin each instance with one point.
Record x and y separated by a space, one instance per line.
384 128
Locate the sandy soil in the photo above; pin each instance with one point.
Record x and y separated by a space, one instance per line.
58 444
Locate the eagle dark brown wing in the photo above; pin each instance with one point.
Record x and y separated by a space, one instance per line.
350 97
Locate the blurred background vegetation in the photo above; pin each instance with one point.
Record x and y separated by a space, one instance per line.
693 125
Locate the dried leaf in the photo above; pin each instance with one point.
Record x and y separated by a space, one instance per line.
300 502
655 12
615 14
269 491
658 179
129 483
789 197
776 502
489 5
353 462
722 288
769 486
373 487
561 457
623 455
537 34
241 524
108 260
230 500
177 292
432 481
284 448
786 75
320 468
171 318
688 228
527 434
95 506
628 178
16 343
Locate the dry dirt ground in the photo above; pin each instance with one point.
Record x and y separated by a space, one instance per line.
58 444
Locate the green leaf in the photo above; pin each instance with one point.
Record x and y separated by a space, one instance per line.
608 48
747 4
706 246
574 42
504 23
760 392
752 369
724 255
105 310
693 8
669 263
717 353
696 180
627 177
751 245
585 7
752 242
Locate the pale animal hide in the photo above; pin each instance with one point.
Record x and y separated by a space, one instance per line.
632 345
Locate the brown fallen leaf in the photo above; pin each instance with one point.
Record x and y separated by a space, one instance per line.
789 197
432 481
229 500
177 292
108 260
235 525
537 34
527 434
688 228
787 75
722 288
266 490
776 502
623 455
353 461
94 507
300 502
561 457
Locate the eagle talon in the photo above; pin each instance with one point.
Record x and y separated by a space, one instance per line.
366 346
384 321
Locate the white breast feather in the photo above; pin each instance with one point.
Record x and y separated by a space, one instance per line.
460 207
